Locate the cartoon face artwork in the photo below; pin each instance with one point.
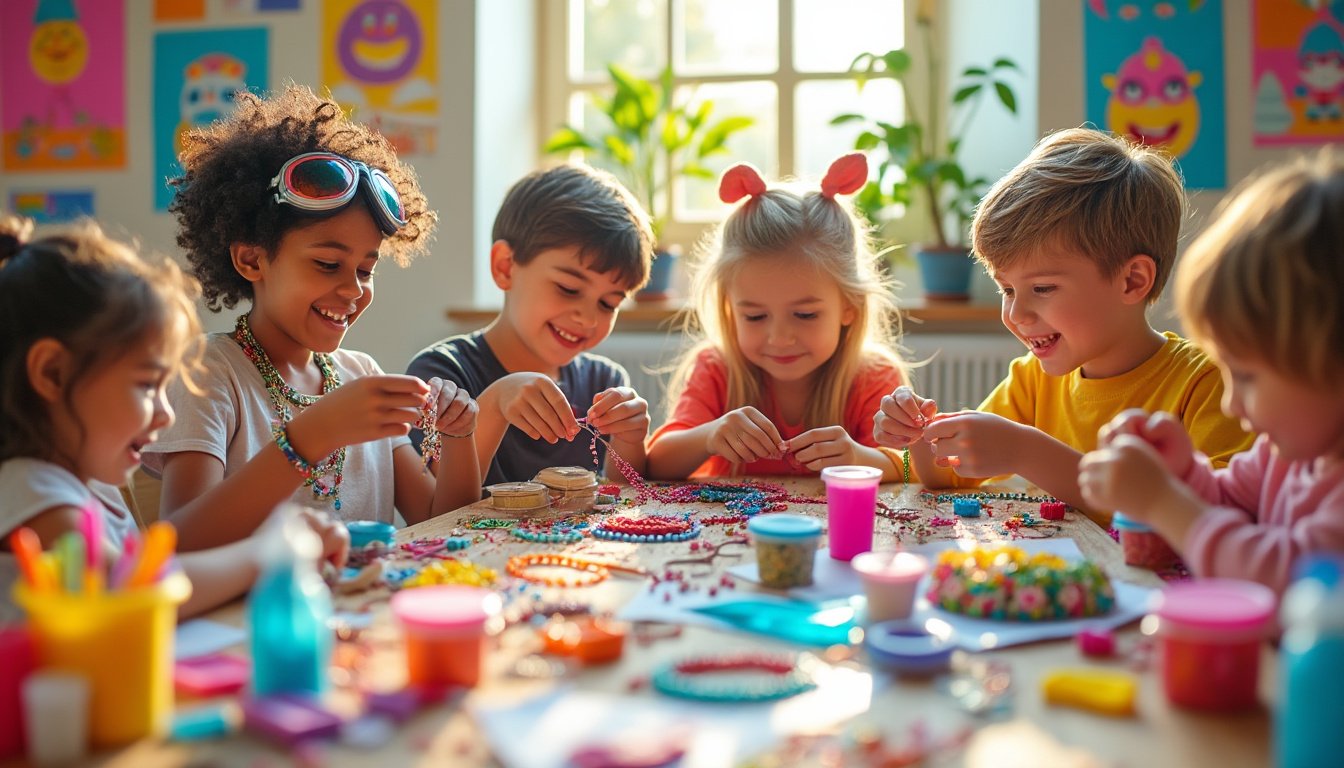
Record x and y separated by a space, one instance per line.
58 51
380 42
1320 70
1153 101
208 87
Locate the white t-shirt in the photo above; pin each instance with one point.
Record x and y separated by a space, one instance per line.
29 487
232 422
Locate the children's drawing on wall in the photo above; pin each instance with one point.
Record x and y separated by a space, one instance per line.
1154 73
196 75
195 10
1297 66
54 206
381 63
62 70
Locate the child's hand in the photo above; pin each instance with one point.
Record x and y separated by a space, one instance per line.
334 535
824 447
743 436
1163 431
621 414
361 411
455 408
902 417
1127 475
977 444
533 403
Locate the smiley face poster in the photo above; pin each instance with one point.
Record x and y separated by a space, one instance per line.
380 61
1154 74
62 75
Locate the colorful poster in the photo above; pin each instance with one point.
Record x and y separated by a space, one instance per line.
380 61
62 73
236 7
1297 70
1154 73
196 74
52 207
195 10
179 10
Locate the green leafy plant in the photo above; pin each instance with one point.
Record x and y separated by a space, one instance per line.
651 136
918 162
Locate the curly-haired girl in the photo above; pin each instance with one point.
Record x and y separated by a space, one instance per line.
290 206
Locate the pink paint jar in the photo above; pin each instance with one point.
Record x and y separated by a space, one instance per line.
20 659
890 581
1209 636
851 509
446 632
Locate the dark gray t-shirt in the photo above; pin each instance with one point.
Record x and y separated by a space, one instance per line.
469 362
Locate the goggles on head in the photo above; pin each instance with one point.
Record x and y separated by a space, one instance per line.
327 182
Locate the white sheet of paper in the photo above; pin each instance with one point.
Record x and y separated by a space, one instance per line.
834 579
202 637
544 731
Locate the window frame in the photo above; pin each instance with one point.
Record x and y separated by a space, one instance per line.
555 88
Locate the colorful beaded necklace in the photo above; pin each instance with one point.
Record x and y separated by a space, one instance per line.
283 396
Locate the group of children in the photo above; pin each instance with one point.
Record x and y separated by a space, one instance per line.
291 207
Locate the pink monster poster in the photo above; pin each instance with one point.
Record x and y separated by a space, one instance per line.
1297 70
62 81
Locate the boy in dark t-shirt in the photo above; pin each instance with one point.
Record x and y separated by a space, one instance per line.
569 245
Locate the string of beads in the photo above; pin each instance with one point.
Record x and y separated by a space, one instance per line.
778 677
592 573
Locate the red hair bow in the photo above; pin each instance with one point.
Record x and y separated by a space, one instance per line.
847 175
740 181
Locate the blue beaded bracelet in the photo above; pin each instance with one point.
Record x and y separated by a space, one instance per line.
281 434
563 537
695 679
659 538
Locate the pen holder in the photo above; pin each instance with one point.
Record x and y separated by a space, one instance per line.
122 643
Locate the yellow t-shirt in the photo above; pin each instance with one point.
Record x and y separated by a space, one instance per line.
1180 379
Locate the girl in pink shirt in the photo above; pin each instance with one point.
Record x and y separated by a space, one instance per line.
1261 290
796 352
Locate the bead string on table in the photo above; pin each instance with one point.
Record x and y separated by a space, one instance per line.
593 572
654 529
431 443
778 677
566 530
746 498
487 523
1024 525
942 498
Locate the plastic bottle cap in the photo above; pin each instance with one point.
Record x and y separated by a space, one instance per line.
1120 522
1226 608
784 526
365 532
851 476
447 608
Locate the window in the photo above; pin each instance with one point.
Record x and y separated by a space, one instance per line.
781 62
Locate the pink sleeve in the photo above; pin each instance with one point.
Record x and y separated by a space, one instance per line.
704 398
873 383
1261 541
1236 485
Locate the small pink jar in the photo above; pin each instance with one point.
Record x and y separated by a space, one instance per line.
1209 638
890 580
446 632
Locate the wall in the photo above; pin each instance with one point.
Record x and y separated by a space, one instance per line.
485 59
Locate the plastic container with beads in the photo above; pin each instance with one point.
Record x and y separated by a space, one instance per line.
518 497
786 546
1144 548
571 488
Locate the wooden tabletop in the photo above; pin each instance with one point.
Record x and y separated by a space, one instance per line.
1030 733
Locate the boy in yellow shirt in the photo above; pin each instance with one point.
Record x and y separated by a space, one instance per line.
1080 237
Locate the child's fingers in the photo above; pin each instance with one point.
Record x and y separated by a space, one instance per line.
550 413
767 430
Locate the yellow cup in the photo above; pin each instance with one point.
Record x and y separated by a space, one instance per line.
122 641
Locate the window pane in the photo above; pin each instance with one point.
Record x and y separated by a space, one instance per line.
631 33
817 143
698 199
726 36
828 34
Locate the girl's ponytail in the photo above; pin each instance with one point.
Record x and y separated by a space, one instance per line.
14 234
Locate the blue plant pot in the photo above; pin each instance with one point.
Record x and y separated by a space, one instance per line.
660 277
946 272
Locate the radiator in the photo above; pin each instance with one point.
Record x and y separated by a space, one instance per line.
959 370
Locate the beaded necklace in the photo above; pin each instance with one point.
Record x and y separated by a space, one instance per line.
283 396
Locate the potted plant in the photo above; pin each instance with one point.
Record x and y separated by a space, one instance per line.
650 138
918 168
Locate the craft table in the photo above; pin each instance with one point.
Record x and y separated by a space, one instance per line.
1031 733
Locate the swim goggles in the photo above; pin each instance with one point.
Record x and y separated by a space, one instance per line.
325 181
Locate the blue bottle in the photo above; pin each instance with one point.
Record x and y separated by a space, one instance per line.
289 612
1311 658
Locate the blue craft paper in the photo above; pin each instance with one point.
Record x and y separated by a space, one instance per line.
819 624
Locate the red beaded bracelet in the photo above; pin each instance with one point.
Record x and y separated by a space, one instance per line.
653 525
594 573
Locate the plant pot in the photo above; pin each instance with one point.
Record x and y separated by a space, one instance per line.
945 272
661 270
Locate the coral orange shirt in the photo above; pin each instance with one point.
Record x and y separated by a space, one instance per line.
705 399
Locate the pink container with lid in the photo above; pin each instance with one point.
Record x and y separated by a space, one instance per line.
851 509
446 632
1210 633
890 580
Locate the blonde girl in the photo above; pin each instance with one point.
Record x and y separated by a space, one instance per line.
798 332
89 337
1260 289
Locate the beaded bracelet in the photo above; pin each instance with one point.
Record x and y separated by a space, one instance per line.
594 573
281 434
542 537
691 679
905 465
655 529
